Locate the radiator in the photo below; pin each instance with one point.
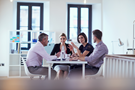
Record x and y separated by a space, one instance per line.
116 67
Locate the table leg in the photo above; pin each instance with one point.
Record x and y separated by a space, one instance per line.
83 71
49 71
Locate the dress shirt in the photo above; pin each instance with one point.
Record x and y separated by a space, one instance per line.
97 56
36 54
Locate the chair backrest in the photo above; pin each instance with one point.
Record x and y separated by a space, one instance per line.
25 67
100 71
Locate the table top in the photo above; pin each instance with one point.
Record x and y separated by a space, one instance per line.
67 62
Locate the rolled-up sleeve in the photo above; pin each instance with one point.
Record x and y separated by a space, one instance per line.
95 56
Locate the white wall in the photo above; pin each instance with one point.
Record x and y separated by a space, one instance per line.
56 20
96 18
118 16
6 23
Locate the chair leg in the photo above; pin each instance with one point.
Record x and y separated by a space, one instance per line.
31 77
45 77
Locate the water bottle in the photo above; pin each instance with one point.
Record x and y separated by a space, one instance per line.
62 53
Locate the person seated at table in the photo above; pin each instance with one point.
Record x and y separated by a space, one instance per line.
85 48
61 69
36 54
95 60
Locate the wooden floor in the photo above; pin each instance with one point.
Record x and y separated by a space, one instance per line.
92 84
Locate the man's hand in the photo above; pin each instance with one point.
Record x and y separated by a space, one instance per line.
78 58
73 58
58 54
74 55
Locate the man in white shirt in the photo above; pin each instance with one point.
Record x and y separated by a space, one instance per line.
36 54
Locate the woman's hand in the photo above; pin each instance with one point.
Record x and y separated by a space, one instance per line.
73 58
58 54
70 47
74 45
74 55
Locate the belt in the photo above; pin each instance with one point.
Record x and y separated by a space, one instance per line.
96 67
34 66
88 66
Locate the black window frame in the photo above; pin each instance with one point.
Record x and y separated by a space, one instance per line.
79 20
29 4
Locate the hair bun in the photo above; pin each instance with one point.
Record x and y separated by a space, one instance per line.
63 34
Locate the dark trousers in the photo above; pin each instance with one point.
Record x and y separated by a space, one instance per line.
41 70
76 72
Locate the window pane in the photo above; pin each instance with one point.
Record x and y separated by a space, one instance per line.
84 20
84 17
85 30
73 17
35 17
73 34
23 28
24 17
73 24
35 28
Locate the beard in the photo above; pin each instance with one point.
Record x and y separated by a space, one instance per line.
94 41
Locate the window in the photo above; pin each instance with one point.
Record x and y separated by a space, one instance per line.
79 20
29 17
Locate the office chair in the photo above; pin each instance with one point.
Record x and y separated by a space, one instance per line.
27 71
98 74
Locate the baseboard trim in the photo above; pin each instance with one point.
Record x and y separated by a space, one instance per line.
3 77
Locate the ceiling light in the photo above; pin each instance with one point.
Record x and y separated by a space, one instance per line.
84 1
11 0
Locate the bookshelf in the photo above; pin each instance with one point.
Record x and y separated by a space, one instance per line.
18 44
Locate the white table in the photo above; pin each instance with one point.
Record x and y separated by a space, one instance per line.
66 62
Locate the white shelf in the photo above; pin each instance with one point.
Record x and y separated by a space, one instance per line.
23 54
25 42
14 65
14 54
21 42
16 70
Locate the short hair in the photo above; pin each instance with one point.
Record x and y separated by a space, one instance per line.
41 36
97 33
84 35
63 34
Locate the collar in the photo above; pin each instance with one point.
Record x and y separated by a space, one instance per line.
99 43
40 43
